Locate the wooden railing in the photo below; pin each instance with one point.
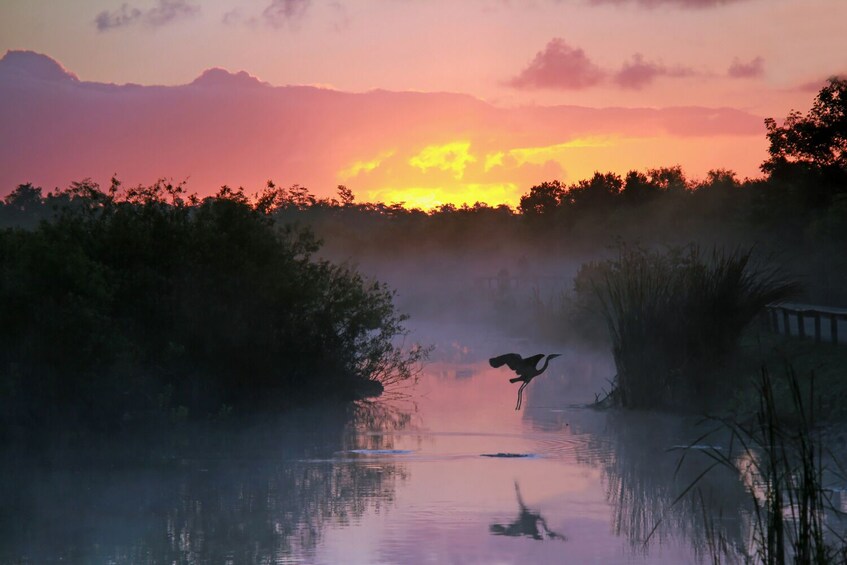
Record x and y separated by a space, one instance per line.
824 321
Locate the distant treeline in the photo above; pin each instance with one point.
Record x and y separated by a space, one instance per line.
797 209
119 303
130 304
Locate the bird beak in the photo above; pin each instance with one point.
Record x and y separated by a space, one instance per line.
554 355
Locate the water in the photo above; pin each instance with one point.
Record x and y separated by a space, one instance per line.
444 472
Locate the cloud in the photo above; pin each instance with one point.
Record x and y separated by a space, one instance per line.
341 16
679 3
233 17
816 85
559 66
284 12
453 157
456 142
165 12
754 68
638 72
121 17
366 166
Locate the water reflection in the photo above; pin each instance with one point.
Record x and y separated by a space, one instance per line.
430 477
256 495
640 455
526 524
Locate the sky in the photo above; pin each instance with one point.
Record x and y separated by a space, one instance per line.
517 59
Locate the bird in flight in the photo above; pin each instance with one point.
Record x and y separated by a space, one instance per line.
525 368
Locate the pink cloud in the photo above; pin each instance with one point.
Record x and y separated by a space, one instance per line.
559 66
165 12
283 12
638 73
231 128
754 68
816 85
679 3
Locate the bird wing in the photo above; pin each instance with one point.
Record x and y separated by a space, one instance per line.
530 363
513 360
517 363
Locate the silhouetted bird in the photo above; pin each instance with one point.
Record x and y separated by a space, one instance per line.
525 368
526 524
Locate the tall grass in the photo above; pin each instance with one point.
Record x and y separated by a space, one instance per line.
783 466
676 317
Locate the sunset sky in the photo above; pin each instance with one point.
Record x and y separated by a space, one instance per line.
556 89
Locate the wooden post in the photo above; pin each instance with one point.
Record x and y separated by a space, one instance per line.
774 320
786 325
817 327
801 324
833 329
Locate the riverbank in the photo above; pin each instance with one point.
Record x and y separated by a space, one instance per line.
822 366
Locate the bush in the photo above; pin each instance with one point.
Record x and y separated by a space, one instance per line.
131 302
674 318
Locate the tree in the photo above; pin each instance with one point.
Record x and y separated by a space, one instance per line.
668 179
542 199
599 192
637 188
345 195
817 140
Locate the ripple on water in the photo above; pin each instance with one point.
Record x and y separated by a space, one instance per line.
512 455
379 451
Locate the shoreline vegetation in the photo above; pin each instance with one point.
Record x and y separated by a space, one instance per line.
128 304
675 321
148 304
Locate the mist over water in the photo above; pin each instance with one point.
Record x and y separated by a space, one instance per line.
420 475
444 470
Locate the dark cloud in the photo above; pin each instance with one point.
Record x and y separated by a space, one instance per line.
816 85
121 17
754 68
165 12
638 72
678 3
559 66
285 12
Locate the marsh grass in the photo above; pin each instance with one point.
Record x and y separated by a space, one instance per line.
674 318
784 468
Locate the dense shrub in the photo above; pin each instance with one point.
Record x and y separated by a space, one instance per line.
674 318
124 303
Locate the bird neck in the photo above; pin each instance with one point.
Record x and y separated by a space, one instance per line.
544 366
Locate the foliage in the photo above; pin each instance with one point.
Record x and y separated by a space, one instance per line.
808 154
676 317
785 469
131 301
818 139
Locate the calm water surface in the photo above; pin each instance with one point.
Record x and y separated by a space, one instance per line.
443 472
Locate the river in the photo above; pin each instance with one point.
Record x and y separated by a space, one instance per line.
445 471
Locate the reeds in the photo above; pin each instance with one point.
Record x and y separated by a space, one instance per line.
783 467
676 317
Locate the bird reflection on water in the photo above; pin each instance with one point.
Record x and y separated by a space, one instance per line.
526 524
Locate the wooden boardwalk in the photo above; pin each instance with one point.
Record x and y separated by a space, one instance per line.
806 320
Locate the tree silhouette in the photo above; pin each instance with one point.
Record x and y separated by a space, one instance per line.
818 139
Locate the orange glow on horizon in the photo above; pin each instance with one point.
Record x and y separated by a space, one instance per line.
466 172
430 198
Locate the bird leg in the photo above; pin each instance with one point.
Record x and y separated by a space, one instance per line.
520 394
